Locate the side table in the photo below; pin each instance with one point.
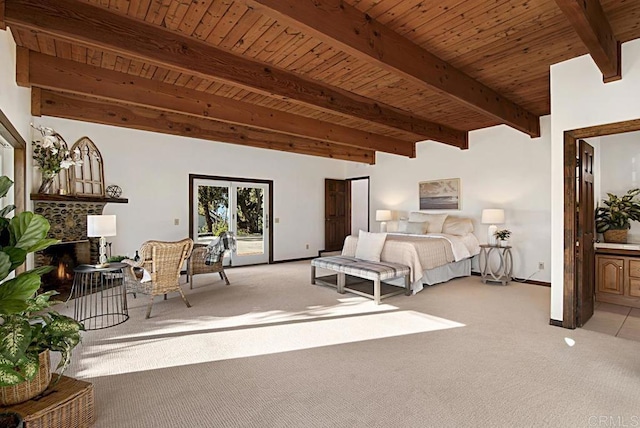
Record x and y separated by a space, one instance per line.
503 272
100 296
67 404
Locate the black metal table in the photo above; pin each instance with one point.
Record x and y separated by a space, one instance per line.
100 296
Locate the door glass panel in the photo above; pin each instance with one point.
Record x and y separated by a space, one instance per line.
250 220
213 211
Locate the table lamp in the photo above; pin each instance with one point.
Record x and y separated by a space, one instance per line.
384 216
101 226
492 216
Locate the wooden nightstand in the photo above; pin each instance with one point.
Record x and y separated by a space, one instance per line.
503 272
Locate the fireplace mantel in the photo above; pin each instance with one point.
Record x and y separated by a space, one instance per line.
73 198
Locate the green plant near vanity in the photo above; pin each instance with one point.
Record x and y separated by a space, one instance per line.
618 212
28 326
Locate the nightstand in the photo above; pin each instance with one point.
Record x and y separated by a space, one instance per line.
501 273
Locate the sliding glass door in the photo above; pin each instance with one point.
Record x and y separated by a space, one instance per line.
240 207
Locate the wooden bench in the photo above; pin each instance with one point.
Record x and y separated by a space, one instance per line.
365 269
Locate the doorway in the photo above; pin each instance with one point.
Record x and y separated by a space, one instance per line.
578 279
346 210
239 205
360 201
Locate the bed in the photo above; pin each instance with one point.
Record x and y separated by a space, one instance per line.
434 257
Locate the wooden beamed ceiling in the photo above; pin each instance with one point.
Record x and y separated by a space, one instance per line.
334 78
363 37
592 26
45 71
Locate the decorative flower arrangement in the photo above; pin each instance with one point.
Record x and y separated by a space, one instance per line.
52 155
503 234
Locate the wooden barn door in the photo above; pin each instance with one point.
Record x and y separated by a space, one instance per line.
337 213
585 254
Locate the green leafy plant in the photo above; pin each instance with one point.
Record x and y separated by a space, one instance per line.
503 234
116 259
618 212
27 328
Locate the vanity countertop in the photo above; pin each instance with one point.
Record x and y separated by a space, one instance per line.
628 246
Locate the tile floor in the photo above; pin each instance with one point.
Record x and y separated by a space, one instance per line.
619 321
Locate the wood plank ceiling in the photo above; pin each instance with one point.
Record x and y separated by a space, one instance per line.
339 79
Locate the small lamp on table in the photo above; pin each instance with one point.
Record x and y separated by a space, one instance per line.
492 216
383 216
101 226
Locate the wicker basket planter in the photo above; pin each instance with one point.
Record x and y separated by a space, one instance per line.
26 390
618 236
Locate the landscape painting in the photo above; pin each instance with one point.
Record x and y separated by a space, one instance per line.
440 194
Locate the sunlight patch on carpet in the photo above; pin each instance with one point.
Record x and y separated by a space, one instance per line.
348 306
157 352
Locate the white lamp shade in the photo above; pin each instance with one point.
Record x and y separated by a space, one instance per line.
383 215
101 225
493 216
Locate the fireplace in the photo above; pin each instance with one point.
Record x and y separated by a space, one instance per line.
67 215
64 257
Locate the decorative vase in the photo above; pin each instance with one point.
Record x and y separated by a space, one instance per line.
28 389
47 182
503 243
618 236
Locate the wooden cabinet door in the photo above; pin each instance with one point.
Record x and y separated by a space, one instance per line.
610 274
634 278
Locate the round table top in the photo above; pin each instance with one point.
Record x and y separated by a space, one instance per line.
93 268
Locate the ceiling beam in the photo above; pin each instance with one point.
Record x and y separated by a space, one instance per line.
68 106
593 28
97 27
54 73
337 22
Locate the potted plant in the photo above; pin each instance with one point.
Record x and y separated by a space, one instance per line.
503 237
614 218
29 330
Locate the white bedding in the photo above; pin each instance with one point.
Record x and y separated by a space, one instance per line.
422 253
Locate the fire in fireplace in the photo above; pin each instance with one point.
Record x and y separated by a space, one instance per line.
64 257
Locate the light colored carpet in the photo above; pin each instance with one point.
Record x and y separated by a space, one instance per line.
271 350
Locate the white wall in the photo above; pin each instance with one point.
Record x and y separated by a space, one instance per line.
153 171
502 168
580 99
15 102
618 159
359 206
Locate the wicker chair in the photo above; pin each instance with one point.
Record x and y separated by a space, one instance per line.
163 261
196 265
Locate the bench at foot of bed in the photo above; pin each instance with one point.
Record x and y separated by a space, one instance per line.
365 269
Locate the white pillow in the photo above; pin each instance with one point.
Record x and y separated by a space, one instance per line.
370 245
402 226
457 226
435 220
417 227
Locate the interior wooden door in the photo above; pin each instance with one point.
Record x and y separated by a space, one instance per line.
585 253
337 213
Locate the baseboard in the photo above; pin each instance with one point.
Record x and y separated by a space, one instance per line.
555 323
528 281
301 259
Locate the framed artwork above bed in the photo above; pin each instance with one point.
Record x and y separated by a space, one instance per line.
441 194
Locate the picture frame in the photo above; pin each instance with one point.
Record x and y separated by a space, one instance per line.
443 194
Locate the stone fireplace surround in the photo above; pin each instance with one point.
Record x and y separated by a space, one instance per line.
67 215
